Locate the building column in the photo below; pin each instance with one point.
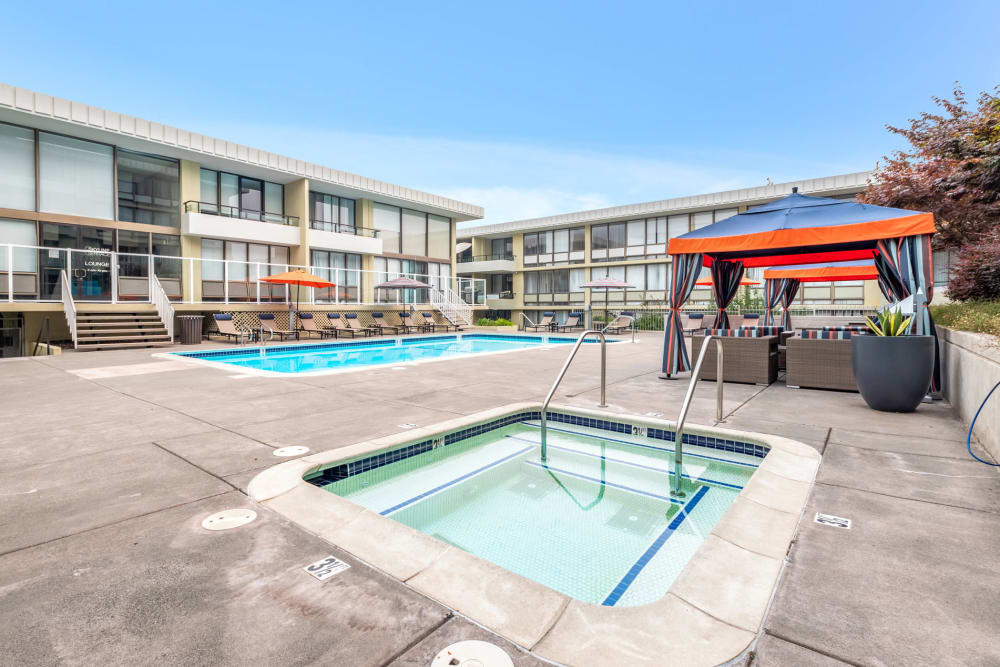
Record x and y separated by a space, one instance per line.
190 187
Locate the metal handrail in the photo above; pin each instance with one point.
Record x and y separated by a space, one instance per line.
69 307
631 322
164 308
506 256
227 211
522 318
677 491
569 360
327 226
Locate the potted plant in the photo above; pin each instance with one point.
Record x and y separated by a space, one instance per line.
891 368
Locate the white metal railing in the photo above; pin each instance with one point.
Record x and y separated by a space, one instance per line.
68 306
449 304
164 308
105 276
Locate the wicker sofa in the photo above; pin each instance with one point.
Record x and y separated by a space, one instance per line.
745 359
819 363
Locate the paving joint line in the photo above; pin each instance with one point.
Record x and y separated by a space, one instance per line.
915 500
817 651
420 638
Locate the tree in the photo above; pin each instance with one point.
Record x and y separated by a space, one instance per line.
976 275
952 169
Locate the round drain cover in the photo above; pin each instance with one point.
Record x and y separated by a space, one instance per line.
472 653
294 450
228 519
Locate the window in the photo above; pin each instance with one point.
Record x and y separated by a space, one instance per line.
656 231
211 259
677 225
209 187
246 262
242 197
414 233
19 232
274 201
148 189
560 240
656 277
544 243
599 238
702 219
17 155
76 177
616 236
636 233
342 269
943 260
723 213
531 245
387 221
577 277
330 213
577 239
438 236
251 195
636 276
229 191
502 247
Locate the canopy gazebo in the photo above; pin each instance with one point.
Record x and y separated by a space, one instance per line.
796 230
783 284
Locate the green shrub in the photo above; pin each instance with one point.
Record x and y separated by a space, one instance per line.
502 322
499 322
976 316
649 322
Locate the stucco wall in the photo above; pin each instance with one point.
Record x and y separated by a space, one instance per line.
970 367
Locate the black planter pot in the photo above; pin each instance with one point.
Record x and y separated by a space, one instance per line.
893 373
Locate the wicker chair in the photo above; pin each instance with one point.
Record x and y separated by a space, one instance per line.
747 359
820 363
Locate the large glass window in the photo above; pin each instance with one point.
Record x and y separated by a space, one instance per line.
19 232
331 213
229 192
677 225
656 277
616 236
599 237
274 201
242 197
577 239
17 155
387 221
251 195
148 189
342 269
702 219
209 186
212 254
530 244
439 236
560 240
414 233
76 177
636 233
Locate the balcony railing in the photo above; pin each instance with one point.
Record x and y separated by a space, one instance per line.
236 212
488 258
343 229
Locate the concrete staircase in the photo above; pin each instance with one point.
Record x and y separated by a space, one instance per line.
116 329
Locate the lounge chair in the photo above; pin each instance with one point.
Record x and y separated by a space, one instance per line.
429 321
572 322
821 360
338 326
309 326
620 324
695 322
226 326
267 323
547 322
409 326
748 356
355 325
384 326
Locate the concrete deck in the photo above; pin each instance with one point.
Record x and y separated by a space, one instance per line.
110 460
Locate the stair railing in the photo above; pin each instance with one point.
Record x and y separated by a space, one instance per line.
164 308
677 491
69 307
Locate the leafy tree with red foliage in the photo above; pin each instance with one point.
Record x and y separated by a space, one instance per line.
976 275
952 169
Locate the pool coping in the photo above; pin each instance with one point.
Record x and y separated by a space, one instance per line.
712 613
259 372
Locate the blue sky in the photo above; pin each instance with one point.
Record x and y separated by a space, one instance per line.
528 109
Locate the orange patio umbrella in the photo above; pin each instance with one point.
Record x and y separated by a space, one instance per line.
297 277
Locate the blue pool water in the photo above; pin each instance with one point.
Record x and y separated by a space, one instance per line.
326 357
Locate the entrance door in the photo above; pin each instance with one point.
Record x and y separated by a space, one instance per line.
89 271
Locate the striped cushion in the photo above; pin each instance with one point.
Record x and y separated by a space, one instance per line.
825 335
856 328
733 333
765 331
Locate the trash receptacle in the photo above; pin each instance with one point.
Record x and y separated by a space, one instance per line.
190 329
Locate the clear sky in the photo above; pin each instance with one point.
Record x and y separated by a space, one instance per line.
527 109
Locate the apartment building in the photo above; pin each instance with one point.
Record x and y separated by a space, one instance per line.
120 207
531 266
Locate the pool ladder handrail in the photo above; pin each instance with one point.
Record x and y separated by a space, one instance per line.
677 490
523 317
631 323
569 360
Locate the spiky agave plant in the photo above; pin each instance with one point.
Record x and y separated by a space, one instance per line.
890 323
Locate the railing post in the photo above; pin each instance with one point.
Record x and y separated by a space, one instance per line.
225 280
10 273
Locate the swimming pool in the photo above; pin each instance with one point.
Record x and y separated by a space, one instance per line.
582 559
348 355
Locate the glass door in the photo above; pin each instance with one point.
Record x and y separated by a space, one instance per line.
89 270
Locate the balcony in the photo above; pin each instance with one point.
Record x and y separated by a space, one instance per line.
501 263
345 238
230 222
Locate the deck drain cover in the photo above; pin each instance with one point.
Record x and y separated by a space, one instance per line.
293 450
831 520
472 653
407 425
228 519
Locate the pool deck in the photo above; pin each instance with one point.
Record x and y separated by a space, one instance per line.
110 460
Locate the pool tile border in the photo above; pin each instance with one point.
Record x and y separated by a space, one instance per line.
564 631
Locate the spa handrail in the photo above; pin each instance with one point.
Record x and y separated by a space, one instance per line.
569 360
524 317
677 491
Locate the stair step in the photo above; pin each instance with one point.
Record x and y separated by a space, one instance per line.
110 345
148 324
107 317
159 330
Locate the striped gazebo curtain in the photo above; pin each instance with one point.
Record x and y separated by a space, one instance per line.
773 289
788 293
726 277
905 267
684 270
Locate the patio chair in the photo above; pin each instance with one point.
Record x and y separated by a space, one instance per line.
384 326
572 322
226 326
355 325
821 360
547 322
430 322
621 324
409 325
748 356
695 322
267 323
309 326
338 327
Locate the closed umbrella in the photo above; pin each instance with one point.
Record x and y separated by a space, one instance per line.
607 284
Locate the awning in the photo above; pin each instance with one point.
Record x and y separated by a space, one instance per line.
811 273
